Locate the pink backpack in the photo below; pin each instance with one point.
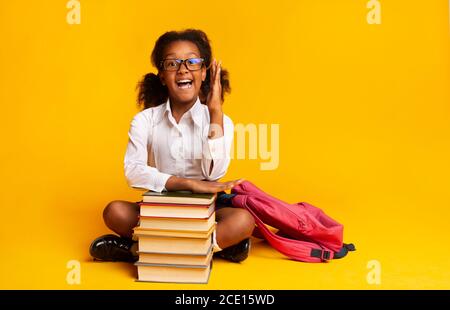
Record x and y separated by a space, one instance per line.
305 233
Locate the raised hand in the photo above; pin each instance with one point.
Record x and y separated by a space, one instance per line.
214 99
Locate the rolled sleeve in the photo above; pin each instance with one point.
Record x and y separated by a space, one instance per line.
217 151
137 172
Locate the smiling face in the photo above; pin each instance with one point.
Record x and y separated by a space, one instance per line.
177 82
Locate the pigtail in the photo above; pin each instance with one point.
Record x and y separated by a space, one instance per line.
225 82
151 92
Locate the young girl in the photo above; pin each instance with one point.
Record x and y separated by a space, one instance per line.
180 141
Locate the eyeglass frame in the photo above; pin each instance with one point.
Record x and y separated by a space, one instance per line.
183 61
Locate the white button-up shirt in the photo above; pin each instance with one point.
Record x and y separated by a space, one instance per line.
158 147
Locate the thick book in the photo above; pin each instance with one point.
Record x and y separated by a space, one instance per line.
167 223
175 259
176 210
173 273
139 231
181 197
174 245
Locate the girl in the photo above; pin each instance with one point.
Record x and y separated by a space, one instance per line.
180 141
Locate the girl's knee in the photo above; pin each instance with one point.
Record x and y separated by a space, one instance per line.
113 212
246 222
121 217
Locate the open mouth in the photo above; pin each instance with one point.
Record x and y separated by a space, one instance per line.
184 84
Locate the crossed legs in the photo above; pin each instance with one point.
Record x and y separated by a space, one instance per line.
233 224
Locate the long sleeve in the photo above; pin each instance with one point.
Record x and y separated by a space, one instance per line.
218 151
137 172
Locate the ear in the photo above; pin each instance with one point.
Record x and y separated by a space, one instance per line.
161 78
203 73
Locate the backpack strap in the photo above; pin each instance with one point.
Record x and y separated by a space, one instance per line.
322 254
344 250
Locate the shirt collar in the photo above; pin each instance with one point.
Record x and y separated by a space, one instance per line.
195 112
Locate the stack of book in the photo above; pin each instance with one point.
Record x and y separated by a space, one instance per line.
175 237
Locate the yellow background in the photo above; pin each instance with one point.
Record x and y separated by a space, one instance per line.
364 132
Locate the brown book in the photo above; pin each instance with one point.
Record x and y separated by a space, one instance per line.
181 197
167 223
175 259
174 245
173 273
139 231
176 210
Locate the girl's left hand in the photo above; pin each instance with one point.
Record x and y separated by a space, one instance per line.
214 99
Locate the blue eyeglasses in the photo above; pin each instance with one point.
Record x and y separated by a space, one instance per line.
174 64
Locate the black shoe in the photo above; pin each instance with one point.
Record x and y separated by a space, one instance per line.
112 248
236 253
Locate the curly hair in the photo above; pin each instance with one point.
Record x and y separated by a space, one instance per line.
153 93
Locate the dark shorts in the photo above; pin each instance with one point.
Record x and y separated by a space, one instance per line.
223 201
